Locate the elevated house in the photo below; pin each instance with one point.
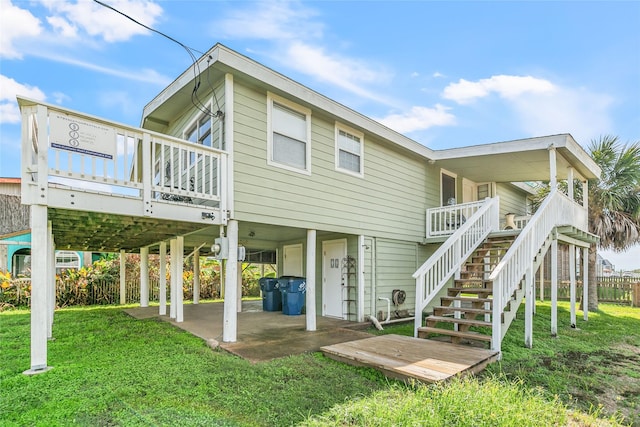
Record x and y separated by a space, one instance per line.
235 159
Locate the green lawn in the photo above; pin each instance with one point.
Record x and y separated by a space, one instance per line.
110 369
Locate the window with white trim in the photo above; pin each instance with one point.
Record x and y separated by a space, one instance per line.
289 135
349 150
66 260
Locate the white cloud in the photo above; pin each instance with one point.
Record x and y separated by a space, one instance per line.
68 17
9 88
419 118
296 41
16 24
509 87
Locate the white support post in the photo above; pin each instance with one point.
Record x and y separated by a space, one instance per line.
179 279
239 292
196 275
311 281
173 277
123 279
529 307
39 297
572 283
144 277
361 281
230 321
541 271
51 284
553 175
585 283
585 194
554 287
163 280
570 182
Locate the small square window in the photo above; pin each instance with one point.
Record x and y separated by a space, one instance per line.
349 150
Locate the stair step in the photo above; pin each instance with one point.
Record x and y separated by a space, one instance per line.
441 309
470 322
466 299
471 280
457 290
423 331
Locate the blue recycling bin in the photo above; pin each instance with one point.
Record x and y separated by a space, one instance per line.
271 296
293 290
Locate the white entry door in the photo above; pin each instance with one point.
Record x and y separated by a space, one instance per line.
469 191
292 264
333 252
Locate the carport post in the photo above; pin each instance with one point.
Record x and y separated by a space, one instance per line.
230 321
311 280
163 279
179 280
51 284
144 277
554 286
123 279
196 275
172 284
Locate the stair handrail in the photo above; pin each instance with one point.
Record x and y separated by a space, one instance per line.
440 267
557 209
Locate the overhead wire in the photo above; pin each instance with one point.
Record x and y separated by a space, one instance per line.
195 100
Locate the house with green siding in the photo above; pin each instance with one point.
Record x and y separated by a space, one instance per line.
237 161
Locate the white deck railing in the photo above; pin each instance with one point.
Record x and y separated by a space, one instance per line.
556 210
92 154
445 220
435 273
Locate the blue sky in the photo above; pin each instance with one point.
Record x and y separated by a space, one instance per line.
446 74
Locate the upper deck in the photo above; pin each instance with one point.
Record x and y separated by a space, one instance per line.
109 186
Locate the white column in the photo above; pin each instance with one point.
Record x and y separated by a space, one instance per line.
541 271
585 194
172 278
572 283
529 307
239 292
570 182
361 281
51 283
123 279
163 280
585 283
144 277
553 175
554 287
39 280
179 280
196 276
230 321
311 281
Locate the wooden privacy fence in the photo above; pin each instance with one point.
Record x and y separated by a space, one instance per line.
617 290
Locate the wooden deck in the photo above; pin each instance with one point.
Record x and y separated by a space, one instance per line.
405 358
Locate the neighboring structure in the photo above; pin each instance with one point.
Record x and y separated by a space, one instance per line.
15 235
257 161
604 267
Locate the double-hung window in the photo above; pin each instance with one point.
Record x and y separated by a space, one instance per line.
349 150
289 135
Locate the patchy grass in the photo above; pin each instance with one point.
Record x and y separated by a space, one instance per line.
112 370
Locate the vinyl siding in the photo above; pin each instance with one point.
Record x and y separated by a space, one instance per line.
389 201
396 261
512 199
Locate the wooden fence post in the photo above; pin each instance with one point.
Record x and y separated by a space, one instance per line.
636 295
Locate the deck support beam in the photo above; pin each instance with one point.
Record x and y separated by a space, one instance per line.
553 175
39 292
51 283
172 276
541 279
572 283
162 311
554 287
196 275
311 280
179 280
123 278
530 303
144 277
230 321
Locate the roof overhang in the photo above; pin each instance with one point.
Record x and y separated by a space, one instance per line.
520 160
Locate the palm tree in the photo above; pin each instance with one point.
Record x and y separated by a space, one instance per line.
614 201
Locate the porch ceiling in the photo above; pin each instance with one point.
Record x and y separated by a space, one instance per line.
519 161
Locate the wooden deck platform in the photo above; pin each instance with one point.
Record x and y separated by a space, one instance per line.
404 358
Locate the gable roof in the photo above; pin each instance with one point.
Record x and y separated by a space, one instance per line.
521 160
